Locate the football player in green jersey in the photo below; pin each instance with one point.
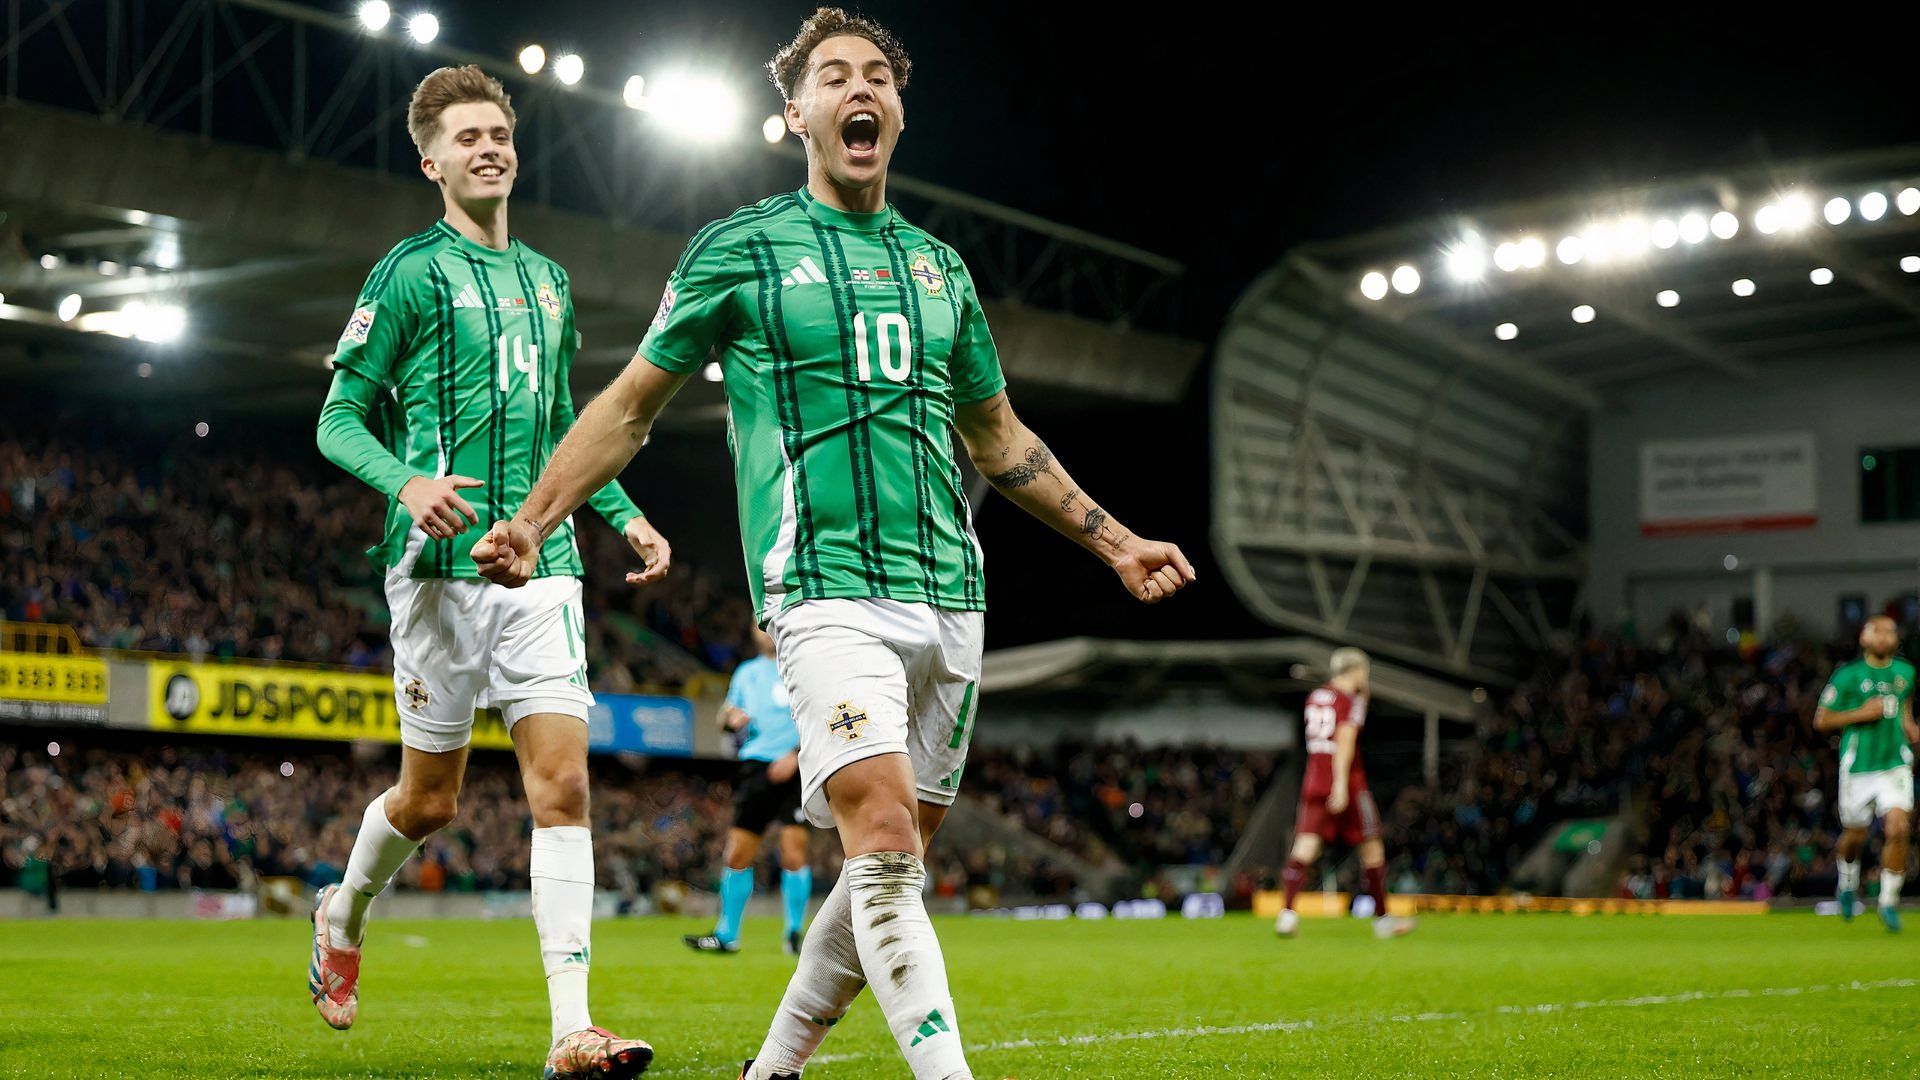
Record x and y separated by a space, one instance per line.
462 342
853 345
1869 701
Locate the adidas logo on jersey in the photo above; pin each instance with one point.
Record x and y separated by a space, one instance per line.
807 273
467 297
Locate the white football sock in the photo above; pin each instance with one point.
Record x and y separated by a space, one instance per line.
562 873
1890 883
909 976
379 851
824 984
1849 875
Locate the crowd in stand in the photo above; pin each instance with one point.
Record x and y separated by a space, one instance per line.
181 547
1710 745
164 817
1119 804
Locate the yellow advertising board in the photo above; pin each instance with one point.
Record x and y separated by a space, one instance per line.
52 688
285 702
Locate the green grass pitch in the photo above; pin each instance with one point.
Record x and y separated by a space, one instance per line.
1465 996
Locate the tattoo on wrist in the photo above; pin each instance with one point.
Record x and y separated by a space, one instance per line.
1097 526
1095 520
1039 460
1067 501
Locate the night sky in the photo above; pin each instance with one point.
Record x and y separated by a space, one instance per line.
1223 141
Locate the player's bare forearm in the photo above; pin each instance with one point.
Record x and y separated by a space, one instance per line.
1828 720
1021 467
603 439
1344 742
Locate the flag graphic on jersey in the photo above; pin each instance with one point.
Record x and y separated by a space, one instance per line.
474 346
1880 744
841 387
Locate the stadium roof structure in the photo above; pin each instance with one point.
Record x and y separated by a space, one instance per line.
1400 417
1572 295
1266 667
204 185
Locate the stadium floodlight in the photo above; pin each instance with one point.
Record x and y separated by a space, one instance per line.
1693 228
1667 298
1583 314
532 59
1908 200
1743 287
375 14
1795 212
161 324
202 429
1570 250
1821 275
1598 242
1910 263
1506 331
1533 252
569 68
635 92
1724 225
773 128
712 372
69 307
1406 280
423 28
49 261
1666 233
1767 219
1507 256
701 109
1838 210
1373 285
1467 260
1873 206
143 369
1631 236
108 268
3 299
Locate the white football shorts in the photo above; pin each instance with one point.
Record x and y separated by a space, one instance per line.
463 644
869 677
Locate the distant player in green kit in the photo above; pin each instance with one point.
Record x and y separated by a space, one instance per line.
853 345
462 342
1870 703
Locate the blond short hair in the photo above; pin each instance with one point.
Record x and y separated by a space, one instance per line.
1345 659
444 88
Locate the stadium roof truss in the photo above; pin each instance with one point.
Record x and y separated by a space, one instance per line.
1400 417
275 167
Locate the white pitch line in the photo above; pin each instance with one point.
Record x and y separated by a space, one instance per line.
1285 1026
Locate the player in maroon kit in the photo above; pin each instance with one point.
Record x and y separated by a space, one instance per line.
1334 801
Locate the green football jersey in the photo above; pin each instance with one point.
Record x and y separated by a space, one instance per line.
474 348
846 341
1881 744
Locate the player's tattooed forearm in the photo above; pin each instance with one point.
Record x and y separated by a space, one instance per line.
1038 460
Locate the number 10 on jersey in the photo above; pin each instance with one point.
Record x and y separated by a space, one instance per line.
895 346
521 357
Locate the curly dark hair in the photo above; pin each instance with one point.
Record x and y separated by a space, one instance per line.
790 63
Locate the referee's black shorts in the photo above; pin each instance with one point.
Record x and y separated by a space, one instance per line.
759 802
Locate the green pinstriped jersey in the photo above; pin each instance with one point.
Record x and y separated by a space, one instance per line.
846 341
1880 744
474 348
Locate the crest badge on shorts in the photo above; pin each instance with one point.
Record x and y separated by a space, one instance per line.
847 721
416 693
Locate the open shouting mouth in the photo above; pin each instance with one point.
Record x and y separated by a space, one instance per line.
860 134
